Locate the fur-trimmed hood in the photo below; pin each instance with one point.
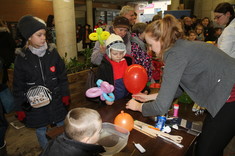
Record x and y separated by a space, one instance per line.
20 51
4 29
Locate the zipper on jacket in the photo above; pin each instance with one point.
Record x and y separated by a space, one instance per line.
43 78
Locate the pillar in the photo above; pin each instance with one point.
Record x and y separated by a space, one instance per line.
175 4
89 13
207 7
198 8
64 14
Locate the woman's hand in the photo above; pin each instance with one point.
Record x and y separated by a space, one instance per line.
134 105
143 97
140 97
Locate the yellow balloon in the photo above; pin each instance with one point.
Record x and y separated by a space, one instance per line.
211 42
105 35
93 36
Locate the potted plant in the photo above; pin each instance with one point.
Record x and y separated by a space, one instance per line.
74 66
77 76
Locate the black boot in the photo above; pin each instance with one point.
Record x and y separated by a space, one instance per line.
3 150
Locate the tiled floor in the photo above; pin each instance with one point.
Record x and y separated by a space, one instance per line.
21 142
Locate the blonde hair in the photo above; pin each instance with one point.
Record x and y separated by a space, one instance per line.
81 123
199 25
166 30
125 10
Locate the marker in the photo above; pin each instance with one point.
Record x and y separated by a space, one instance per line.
154 128
139 147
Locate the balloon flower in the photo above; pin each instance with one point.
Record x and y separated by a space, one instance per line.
104 90
99 35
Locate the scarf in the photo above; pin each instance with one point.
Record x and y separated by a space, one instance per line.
40 52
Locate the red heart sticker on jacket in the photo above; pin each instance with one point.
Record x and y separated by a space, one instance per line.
52 69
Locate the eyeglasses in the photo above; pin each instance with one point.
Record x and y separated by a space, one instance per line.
217 17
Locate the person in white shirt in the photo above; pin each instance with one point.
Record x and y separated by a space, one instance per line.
224 15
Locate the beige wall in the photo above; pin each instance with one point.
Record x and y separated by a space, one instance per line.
204 8
12 10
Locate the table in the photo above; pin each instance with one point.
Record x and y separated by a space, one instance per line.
154 147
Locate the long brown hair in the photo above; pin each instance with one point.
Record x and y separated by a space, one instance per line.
166 30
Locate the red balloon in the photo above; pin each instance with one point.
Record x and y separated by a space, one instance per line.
135 78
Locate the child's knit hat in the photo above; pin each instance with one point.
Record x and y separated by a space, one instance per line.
28 25
121 22
115 42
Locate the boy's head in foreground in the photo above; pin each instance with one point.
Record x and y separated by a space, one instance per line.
115 48
83 125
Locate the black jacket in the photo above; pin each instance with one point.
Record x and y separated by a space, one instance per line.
7 55
105 73
49 71
63 146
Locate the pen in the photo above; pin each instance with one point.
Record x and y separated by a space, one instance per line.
154 128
